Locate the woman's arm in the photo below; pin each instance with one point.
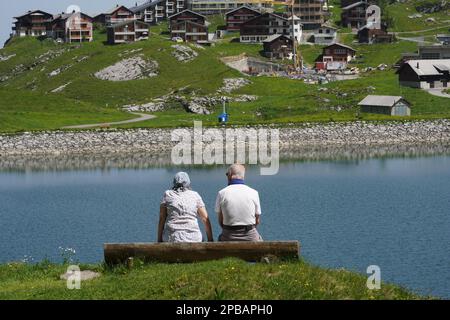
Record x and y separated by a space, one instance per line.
203 214
162 221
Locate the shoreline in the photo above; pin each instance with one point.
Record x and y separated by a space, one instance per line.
345 135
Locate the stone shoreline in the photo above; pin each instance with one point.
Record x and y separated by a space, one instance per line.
158 141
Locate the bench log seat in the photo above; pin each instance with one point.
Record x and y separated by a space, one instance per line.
119 253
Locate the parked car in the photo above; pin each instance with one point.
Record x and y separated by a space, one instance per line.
177 39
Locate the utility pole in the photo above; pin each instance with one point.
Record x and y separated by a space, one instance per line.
294 51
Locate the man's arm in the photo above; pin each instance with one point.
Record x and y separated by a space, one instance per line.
162 221
258 219
220 214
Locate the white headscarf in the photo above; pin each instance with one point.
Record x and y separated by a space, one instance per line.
181 182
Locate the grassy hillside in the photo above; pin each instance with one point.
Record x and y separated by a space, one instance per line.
224 279
28 102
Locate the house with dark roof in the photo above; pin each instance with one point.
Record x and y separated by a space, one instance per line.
189 26
278 46
354 15
34 23
425 74
115 15
339 52
128 31
236 17
390 105
72 27
158 10
367 34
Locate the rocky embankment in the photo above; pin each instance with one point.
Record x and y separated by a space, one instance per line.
159 140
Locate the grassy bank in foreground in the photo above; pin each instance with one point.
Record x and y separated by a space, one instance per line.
224 279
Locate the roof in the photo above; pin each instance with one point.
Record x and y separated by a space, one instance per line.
243 7
353 5
341 45
145 5
31 12
111 11
382 101
187 10
64 16
275 37
124 23
427 67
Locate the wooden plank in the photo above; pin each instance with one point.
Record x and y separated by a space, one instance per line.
116 253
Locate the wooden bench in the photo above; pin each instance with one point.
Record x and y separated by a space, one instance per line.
117 253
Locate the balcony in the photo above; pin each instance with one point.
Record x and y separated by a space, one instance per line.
123 33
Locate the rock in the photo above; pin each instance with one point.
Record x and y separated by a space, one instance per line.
84 275
61 88
231 84
59 70
129 69
6 58
183 53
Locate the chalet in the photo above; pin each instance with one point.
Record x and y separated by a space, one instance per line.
278 46
370 35
337 52
158 10
425 74
128 31
33 23
72 27
390 105
115 15
189 25
261 27
236 17
324 35
354 15
310 12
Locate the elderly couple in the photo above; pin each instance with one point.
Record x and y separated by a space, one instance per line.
237 206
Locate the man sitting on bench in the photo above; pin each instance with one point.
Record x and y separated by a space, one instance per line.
238 208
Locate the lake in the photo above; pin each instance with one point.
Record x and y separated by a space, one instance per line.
390 212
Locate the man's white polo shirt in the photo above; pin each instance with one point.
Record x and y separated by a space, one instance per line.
239 205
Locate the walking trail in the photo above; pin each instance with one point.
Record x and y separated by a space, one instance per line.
142 117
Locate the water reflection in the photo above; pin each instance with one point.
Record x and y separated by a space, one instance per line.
143 160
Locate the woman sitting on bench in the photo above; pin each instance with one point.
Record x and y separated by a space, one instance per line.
178 213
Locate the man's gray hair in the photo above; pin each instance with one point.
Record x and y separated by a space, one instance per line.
236 171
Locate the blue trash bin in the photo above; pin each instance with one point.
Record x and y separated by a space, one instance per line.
223 118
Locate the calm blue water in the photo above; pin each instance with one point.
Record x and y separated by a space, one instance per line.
390 212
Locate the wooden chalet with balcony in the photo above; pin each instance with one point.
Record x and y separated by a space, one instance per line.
278 46
115 15
235 18
158 10
354 15
189 26
128 31
72 27
33 23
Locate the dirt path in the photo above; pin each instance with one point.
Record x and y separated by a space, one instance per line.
142 117
438 92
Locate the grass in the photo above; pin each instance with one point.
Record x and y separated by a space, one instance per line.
223 279
27 102
401 11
